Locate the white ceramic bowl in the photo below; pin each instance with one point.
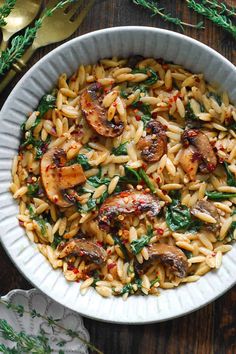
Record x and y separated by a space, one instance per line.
35 300
122 42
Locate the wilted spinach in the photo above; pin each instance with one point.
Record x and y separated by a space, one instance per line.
120 150
137 245
231 181
33 189
215 195
82 160
178 216
147 180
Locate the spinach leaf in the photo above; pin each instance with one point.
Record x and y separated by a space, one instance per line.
118 242
131 176
97 181
39 219
220 195
47 102
145 119
128 288
152 79
188 254
120 150
178 216
231 231
85 208
56 241
40 146
231 181
194 226
137 245
216 97
189 114
33 189
147 180
82 160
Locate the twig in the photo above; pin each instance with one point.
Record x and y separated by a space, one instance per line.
156 10
51 322
222 7
5 11
212 14
21 42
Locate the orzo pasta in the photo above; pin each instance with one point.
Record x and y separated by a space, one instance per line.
125 176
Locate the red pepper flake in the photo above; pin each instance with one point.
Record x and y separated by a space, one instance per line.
160 231
108 251
211 167
111 265
114 104
164 192
75 270
21 223
158 180
99 243
124 241
138 118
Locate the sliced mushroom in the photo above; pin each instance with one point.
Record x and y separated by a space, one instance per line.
189 161
127 202
209 208
134 60
170 256
96 115
83 248
201 142
154 145
55 178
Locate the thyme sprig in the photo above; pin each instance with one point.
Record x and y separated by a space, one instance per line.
157 10
213 15
21 42
223 8
34 344
5 11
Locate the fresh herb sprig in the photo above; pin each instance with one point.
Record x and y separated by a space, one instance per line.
21 42
213 15
26 341
223 8
158 10
5 11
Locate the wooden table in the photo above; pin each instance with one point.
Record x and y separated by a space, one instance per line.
210 330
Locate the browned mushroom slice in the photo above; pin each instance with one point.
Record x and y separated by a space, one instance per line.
56 178
96 115
127 202
154 145
170 257
189 161
201 142
83 248
209 208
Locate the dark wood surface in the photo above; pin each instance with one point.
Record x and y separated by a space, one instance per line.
210 330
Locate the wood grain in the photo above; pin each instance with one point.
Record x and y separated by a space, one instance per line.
210 330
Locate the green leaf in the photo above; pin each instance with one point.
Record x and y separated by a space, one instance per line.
39 219
118 242
189 114
131 176
33 189
145 119
82 160
231 181
178 216
147 180
216 97
128 288
47 102
152 79
56 241
231 231
120 150
220 195
137 245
